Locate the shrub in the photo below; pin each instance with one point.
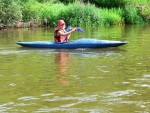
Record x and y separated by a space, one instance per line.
145 13
132 16
101 3
111 16
80 14
47 1
10 11
109 3
31 10
51 13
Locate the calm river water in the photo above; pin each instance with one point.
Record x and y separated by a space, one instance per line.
111 80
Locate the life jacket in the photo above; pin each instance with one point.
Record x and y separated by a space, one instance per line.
59 38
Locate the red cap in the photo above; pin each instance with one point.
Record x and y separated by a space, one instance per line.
60 22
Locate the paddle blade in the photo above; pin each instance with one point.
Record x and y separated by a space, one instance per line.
68 28
79 29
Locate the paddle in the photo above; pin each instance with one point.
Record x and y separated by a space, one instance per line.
68 28
77 28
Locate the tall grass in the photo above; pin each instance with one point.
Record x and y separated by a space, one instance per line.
75 13
81 14
132 15
50 13
111 16
31 10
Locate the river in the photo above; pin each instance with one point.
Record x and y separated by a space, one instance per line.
109 80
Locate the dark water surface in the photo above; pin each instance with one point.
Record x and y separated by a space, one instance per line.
111 80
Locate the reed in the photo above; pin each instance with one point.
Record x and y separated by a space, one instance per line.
50 13
82 14
79 14
111 16
31 10
76 13
132 16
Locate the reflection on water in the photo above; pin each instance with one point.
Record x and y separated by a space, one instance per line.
62 58
112 80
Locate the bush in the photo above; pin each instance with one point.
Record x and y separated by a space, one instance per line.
80 14
50 13
31 10
67 1
47 1
132 15
76 14
10 11
109 3
111 16
145 13
138 2
101 3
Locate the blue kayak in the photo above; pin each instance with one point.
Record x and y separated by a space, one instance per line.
79 43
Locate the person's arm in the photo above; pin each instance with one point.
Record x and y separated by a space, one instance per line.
66 33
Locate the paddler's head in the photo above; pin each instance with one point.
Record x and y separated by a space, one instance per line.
61 23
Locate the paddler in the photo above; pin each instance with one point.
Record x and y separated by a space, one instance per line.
60 34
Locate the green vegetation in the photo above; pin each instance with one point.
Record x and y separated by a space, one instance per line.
132 15
9 11
75 12
100 3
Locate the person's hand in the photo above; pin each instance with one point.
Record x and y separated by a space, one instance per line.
73 29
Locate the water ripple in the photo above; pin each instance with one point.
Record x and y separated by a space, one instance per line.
143 81
45 95
81 99
120 93
28 98
142 85
7 52
4 108
23 104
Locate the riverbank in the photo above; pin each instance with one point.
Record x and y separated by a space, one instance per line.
35 14
21 24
